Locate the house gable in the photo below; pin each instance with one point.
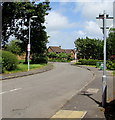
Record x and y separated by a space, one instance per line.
57 50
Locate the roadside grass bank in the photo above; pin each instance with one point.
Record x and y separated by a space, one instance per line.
24 67
35 70
113 73
97 63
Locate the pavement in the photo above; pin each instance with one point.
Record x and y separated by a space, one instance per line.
87 102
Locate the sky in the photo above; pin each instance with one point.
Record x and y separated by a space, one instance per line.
68 21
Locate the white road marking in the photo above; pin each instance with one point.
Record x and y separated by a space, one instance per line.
10 90
92 90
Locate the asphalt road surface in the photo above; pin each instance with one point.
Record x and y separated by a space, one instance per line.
42 95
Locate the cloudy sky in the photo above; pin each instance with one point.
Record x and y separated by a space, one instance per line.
68 21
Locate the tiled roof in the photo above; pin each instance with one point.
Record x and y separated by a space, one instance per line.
68 50
56 49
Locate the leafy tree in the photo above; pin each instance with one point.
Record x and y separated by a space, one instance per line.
89 48
13 46
8 13
111 43
52 55
22 12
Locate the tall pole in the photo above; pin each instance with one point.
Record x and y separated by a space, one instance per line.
28 48
104 78
29 44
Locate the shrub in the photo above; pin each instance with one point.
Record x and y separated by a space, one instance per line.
9 61
60 57
59 60
52 55
0 64
39 59
110 65
89 62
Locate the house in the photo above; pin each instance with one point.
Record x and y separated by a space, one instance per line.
72 52
57 50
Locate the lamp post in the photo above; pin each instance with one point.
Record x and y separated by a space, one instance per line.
76 55
104 16
29 44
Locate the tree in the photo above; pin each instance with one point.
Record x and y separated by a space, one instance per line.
21 12
13 46
8 13
111 43
89 48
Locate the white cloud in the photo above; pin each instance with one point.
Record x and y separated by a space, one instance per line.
81 0
57 21
80 34
63 39
92 29
92 9
58 24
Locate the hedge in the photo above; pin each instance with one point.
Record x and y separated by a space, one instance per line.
89 61
39 59
9 61
110 64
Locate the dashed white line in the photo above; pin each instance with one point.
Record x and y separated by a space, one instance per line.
10 90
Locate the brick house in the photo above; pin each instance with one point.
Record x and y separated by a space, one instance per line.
72 52
57 50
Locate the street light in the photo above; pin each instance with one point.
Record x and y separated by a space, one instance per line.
104 16
76 54
29 45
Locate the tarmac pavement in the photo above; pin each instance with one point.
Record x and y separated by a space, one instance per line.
89 99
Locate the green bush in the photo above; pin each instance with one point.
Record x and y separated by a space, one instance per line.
61 57
89 61
0 64
9 61
59 60
39 59
110 65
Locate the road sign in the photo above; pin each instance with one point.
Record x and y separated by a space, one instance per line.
28 48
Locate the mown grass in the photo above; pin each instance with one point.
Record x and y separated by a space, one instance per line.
24 67
114 73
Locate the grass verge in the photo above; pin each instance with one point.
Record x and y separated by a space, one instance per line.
24 68
113 73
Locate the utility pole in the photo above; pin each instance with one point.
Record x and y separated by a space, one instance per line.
104 16
114 14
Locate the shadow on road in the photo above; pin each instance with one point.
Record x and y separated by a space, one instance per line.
89 96
109 111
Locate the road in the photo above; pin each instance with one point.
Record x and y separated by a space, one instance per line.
41 95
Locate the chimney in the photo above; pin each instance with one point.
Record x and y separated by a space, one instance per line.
60 46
